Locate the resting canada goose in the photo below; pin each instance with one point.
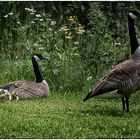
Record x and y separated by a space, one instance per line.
28 89
124 78
133 14
132 34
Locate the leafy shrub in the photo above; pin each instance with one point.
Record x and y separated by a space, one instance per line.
78 55
99 50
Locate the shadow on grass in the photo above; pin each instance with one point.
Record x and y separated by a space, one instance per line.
108 111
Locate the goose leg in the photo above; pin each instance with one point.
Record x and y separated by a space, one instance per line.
123 103
127 104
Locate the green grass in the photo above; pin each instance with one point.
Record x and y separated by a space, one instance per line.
65 116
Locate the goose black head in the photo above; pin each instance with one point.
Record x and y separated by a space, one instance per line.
39 57
134 14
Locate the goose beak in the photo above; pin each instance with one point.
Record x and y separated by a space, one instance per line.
138 13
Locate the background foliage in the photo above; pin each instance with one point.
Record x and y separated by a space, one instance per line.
82 39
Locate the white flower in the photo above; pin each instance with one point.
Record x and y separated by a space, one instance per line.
18 22
32 22
41 48
53 22
89 78
80 32
117 43
55 71
48 19
32 13
27 9
38 15
41 19
30 10
50 29
68 37
36 44
36 19
44 14
5 16
11 14
65 29
76 43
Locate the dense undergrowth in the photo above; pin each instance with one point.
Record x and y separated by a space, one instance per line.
78 56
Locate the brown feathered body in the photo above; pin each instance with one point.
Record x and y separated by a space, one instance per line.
120 81
28 89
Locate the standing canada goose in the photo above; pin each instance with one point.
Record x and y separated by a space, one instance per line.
120 81
133 14
27 89
124 78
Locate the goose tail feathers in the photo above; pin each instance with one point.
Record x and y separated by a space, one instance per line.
88 96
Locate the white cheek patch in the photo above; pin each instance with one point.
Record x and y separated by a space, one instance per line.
46 85
36 58
44 82
132 15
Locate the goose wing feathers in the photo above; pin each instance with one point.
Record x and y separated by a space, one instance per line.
30 90
26 89
10 87
123 73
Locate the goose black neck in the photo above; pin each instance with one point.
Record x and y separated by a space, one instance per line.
37 72
132 34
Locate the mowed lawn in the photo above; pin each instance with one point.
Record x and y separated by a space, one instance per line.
66 116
